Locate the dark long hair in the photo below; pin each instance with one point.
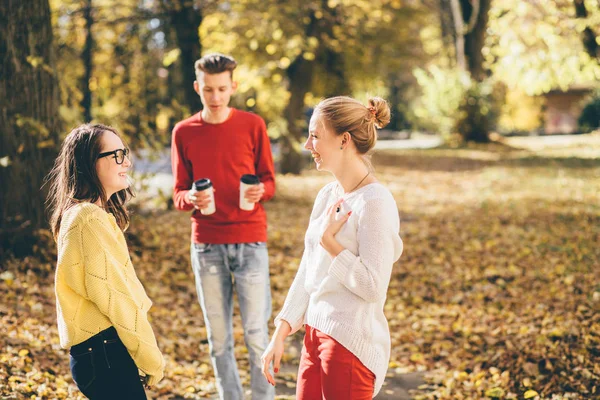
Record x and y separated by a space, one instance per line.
74 178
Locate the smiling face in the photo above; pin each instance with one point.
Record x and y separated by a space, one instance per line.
215 91
323 144
113 177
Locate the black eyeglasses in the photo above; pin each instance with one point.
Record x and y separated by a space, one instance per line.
118 154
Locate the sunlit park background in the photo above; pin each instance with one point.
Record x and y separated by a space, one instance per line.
492 154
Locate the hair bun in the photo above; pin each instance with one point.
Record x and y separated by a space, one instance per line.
381 111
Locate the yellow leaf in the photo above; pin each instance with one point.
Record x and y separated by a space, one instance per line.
308 56
495 392
530 394
271 49
171 57
35 61
23 352
45 144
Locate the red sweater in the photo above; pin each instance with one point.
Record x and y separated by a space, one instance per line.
223 153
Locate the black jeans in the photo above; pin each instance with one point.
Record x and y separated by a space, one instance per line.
103 369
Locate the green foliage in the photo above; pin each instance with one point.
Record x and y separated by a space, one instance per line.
134 77
367 47
267 37
479 110
437 109
536 46
590 115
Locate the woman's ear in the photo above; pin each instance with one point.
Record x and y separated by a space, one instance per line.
346 137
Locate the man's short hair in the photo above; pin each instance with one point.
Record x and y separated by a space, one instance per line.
215 63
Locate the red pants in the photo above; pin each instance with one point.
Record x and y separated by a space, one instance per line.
328 371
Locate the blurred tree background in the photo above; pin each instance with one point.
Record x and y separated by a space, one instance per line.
456 68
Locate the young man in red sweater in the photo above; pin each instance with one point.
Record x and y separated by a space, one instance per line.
229 250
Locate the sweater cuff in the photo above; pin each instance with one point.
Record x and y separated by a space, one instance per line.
153 379
295 319
341 265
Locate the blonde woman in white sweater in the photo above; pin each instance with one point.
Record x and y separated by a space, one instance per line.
351 244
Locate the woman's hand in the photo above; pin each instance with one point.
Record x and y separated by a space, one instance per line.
332 228
274 351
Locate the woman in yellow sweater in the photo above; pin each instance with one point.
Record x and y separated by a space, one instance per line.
101 305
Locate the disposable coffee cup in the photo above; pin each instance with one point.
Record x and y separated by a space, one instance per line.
205 185
247 181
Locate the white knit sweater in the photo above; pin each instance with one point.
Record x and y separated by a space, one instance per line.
344 297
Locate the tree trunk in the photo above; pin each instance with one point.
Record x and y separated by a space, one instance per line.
28 114
470 22
475 36
459 37
86 56
588 37
447 30
331 59
300 77
299 74
186 20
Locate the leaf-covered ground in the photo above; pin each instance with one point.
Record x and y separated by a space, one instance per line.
497 294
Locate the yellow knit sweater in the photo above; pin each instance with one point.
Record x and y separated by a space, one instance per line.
96 287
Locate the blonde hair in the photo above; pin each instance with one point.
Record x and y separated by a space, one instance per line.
344 114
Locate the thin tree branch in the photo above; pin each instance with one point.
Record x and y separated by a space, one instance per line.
473 19
457 16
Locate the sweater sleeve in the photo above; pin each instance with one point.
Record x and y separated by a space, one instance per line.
367 274
296 302
264 162
112 285
182 173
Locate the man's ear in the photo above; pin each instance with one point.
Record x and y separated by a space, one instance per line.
196 87
234 85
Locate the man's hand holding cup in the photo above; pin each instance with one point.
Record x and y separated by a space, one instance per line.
255 193
202 197
251 191
199 200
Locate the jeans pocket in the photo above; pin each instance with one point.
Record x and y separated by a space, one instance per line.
202 247
83 369
118 357
256 245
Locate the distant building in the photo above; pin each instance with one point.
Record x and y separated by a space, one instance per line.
563 108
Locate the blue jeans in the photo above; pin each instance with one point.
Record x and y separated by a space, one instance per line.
103 369
219 269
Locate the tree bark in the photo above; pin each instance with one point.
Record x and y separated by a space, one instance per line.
28 113
87 58
186 20
299 74
475 36
459 26
300 77
447 29
470 23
